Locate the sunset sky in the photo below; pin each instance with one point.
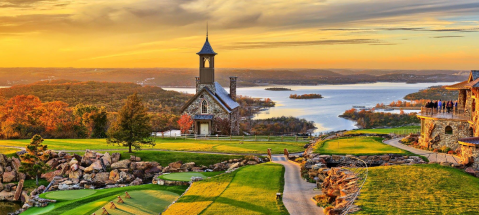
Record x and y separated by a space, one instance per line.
371 34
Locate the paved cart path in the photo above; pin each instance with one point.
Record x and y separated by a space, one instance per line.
432 156
298 193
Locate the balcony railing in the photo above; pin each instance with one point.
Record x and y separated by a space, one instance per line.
453 113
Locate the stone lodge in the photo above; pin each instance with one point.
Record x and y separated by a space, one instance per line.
458 129
212 108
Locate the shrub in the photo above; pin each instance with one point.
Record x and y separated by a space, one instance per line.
322 200
451 152
299 160
445 149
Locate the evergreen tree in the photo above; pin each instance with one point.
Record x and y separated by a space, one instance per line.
132 127
34 161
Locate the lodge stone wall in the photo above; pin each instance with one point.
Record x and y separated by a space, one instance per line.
439 138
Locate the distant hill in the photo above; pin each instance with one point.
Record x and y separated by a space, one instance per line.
178 77
108 94
434 93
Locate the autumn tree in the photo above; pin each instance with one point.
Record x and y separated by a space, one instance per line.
33 163
132 127
93 120
163 121
223 126
21 117
185 122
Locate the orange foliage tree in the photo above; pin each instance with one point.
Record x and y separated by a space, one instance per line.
185 122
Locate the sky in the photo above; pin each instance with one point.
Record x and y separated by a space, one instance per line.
359 34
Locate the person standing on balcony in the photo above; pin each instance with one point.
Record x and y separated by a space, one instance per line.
438 105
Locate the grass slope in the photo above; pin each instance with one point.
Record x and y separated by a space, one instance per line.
186 176
87 203
398 130
357 146
419 189
250 190
212 145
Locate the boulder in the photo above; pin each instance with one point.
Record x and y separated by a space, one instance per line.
137 181
9 176
385 157
1 170
73 161
85 161
20 153
94 167
16 163
176 165
1 186
53 163
114 175
125 177
3 160
123 164
154 169
89 154
470 171
87 177
115 157
144 165
101 177
251 163
75 174
106 159
188 166
8 196
233 166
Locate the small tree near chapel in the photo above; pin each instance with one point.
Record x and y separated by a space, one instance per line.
132 127
34 161
185 122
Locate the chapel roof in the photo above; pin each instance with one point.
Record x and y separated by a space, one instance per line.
207 49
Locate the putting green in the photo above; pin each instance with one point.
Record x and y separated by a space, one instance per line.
69 194
186 176
141 202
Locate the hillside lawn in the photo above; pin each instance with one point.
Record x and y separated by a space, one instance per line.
171 144
419 189
357 146
249 190
398 130
186 176
146 199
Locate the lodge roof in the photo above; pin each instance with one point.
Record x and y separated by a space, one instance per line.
470 141
471 82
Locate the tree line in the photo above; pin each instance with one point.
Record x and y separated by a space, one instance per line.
278 126
371 119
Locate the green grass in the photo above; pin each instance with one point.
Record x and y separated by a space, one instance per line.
186 176
398 130
357 146
6 150
172 144
419 189
250 190
85 202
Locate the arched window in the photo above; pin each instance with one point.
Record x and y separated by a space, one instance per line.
448 129
204 107
206 62
471 132
473 105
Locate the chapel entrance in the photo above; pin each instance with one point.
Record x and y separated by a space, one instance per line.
204 128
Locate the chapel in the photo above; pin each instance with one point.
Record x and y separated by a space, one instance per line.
213 109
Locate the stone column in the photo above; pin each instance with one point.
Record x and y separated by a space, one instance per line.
197 79
233 87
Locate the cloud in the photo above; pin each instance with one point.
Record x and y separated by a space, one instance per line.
279 44
440 37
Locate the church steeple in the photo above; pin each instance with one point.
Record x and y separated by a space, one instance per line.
207 63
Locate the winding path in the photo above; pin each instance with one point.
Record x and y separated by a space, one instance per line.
432 156
298 193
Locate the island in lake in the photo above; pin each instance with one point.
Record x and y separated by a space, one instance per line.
306 96
278 89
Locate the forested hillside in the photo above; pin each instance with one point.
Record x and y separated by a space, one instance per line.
433 93
110 95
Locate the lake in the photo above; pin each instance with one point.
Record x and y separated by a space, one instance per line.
337 98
